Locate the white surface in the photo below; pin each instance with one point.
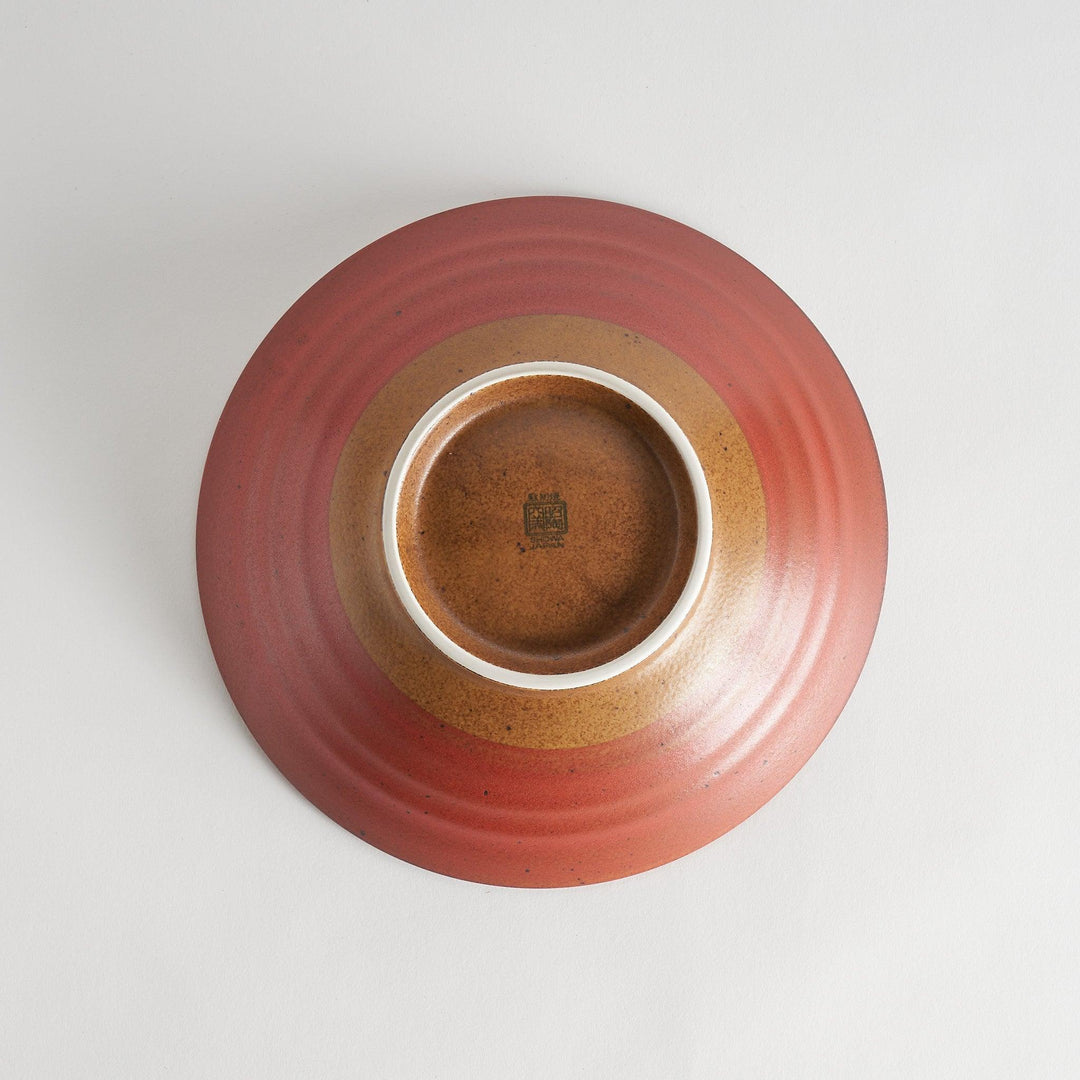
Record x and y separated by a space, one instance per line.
566 680
174 176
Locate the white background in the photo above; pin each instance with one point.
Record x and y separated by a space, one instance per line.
175 175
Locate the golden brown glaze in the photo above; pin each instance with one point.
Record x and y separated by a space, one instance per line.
555 718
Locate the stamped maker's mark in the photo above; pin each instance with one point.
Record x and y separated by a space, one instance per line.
545 519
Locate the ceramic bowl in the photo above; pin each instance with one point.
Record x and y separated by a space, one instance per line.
541 542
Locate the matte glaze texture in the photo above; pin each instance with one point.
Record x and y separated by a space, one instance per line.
595 713
547 524
438 765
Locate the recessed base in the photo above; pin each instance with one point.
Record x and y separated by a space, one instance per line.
545 523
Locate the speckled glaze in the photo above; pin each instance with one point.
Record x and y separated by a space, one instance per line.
499 561
592 714
496 783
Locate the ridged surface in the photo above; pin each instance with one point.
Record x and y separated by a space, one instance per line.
437 796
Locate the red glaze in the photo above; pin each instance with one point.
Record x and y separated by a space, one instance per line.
363 751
